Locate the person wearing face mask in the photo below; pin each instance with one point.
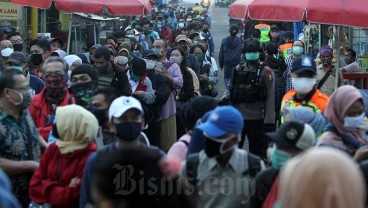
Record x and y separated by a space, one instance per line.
346 127
16 40
18 61
230 52
275 36
20 148
326 71
192 62
163 30
252 91
290 140
110 74
39 50
207 79
140 83
207 35
141 38
72 61
127 120
297 50
122 59
173 76
286 49
303 74
221 158
5 53
84 80
54 94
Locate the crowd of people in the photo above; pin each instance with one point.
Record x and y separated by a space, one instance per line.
136 122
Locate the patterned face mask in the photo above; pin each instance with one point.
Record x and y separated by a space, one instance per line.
83 93
55 88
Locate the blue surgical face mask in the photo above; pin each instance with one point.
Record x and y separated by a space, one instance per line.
353 123
159 26
279 158
142 37
298 51
252 56
195 42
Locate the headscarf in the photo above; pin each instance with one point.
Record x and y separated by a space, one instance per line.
340 101
126 45
60 53
71 59
306 115
95 47
326 50
76 126
323 178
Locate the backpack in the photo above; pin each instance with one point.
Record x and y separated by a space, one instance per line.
264 182
248 86
192 162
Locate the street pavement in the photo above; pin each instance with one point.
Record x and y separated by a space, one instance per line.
219 30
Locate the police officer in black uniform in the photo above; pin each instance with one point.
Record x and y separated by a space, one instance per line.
252 91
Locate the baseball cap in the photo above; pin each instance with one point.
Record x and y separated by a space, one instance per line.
122 104
294 135
6 52
150 53
223 120
274 27
302 64
18 58
59 40
181 38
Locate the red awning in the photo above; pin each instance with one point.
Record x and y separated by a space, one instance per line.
114 7
280 10
239 9
337 12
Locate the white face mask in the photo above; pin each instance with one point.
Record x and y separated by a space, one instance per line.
150 64
303 85
181 25
353 123
176 60
121 59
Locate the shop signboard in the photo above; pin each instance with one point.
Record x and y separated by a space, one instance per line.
10 11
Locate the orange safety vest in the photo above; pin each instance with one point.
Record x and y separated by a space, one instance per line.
317 103
286 49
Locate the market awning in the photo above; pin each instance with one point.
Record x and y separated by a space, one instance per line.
337 12
113 7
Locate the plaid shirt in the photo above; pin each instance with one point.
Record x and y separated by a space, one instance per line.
287 73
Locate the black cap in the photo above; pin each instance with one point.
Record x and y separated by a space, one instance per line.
293 135
18 58
252 45
302 64
151 53
274 27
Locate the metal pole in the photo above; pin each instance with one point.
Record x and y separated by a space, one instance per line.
337 44
70 33
76 39
94 33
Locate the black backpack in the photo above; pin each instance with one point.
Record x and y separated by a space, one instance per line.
192 162
248 86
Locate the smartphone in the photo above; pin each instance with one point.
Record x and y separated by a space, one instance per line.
158 66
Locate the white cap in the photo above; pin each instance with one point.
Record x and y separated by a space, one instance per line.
122 104
6 52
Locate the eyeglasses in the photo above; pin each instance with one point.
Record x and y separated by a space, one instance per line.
17 41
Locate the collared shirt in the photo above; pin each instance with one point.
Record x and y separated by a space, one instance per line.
219 186
19 142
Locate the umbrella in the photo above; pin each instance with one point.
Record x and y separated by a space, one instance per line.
239 9
337 12
114 7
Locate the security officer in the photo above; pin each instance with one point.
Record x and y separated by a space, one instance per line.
252 91
286 48
303 77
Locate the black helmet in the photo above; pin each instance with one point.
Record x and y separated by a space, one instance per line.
252 45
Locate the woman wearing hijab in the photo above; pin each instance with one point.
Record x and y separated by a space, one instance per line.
345 114
57 180
323 178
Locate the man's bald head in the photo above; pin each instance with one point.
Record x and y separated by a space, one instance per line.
5 44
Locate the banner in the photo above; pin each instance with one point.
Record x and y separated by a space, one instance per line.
10 11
